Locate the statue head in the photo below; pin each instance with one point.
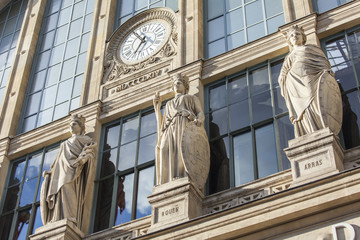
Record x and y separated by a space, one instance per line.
183 79
77 124
295 36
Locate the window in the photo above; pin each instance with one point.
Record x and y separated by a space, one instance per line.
20 211
126 175
11 18
325 5
56 80
128 8
248 127
232 23
343 52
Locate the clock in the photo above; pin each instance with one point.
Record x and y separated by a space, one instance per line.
143 41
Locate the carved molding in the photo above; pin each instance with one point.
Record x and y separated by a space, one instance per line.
114 68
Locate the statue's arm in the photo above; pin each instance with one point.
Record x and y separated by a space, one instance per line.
158 114
283 73
200 116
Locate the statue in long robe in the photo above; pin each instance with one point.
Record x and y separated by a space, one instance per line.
64 186
182 146
308 85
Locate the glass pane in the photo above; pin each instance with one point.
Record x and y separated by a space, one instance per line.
15 8
14 41
51 22
215 8
129 130
66 3
5 77
274 23
55 6
49 158
103 204
337 51
43 60
126 7
75 28
87 23
146 183
218 123
173 4
148 124
266 151
28 191
279 102
216 29
239 115
108 162
235 40
61 110
234 20
354 44
68 68
38 222
77 86
273 7
72 47
57 54
53 75
351 119
33 104
10 26
255 32
127 156
259 80
344 74
243 159
84 42
139 4
147 149
78 10
238 89
61 33
286 133
81 63
75 103
112 136
216 48
217 96
230 4
22 224
275 71
64 91
253 12
44 117
261 107
5 223
29 123
48 98
324 5
5 43
64 17
90 6
17 172
38 81
33 167
3 58
124 199
219 175
11 198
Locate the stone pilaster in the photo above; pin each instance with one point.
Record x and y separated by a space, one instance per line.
63 229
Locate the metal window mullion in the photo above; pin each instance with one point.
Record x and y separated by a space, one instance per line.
244 21
264 16
39 175
13 224
231 164
135 190
119 145
138 140
232 161
31 220
225 27
78 53
113 202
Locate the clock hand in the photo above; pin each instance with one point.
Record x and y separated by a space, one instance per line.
142 41
137 35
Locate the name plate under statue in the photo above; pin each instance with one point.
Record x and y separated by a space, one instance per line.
313 98
182 158
64 186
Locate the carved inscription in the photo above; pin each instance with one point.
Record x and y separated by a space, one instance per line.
171 211
136 81
313 164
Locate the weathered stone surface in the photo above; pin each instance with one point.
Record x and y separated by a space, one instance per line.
314 156
63 229
308 85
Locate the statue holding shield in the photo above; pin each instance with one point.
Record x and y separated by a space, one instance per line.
182 145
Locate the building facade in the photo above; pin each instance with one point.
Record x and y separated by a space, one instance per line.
57 59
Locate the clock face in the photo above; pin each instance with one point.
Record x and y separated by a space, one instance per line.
143 41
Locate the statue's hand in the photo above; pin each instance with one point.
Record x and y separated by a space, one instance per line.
46 173
156 100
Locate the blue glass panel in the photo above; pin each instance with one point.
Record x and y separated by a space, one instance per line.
259 80
243 159
17 172
266 151
33 168
146 183
239 115
238 89
216 29
44 117
217 96
148 124
286 133
253 12
112 137
37 222
235 40
61 110
28 192
64 91
124 199
230 4
255 32
261 107
22 224
274 23
325 5
147 149
273 7
108 161
129 130
72 47
48 97
218 122
78 10
127 156
234 20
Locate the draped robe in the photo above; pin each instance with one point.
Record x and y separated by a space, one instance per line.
62 192
302 70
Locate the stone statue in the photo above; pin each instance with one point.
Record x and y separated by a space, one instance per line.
182 146
63 188
308 85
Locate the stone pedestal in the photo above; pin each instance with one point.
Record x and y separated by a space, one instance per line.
63 229
314 156
173 203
